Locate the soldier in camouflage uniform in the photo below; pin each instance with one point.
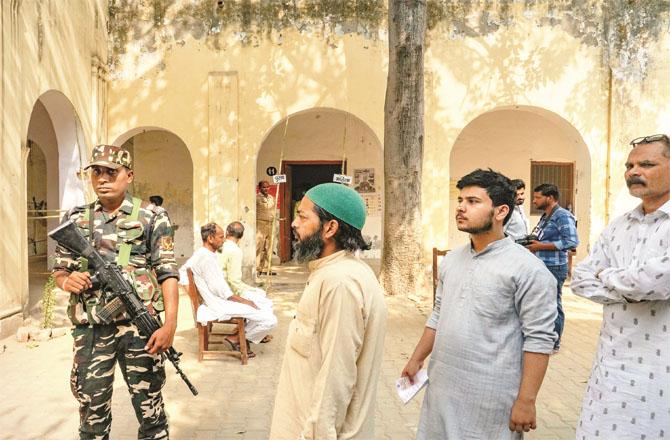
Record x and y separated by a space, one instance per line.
137 236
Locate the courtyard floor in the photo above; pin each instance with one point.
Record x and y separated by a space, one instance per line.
236 401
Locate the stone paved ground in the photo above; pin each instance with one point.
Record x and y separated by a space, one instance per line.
235 401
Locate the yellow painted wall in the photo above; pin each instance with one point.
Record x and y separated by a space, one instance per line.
222 104
235 94
222 89
46 45
162 166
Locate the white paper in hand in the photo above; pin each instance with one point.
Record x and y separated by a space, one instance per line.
407 390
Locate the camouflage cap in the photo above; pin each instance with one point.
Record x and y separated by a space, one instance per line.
110 156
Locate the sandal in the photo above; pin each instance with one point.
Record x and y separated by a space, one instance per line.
250 354
266 339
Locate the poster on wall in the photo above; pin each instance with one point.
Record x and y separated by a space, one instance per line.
364 180
373 204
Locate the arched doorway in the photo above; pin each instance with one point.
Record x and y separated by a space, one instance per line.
528 143
53 180
163 167
316 144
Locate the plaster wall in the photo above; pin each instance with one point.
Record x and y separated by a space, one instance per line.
320 134
42 175
465 77
507 140
515 67
162 166
640 108
46 45
602 88
232 100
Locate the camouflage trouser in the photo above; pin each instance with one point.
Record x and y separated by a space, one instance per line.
96 351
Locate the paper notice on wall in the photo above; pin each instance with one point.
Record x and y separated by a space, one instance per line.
342 178
373 204
407 390
279 178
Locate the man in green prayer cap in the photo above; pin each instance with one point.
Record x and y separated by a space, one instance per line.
328 381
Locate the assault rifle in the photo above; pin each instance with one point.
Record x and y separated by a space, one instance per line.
118 291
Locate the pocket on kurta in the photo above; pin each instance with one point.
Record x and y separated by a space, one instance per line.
302 335
492 302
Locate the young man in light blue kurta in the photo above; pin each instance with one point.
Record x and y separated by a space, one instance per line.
492 328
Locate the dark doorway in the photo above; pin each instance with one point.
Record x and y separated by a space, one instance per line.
300 177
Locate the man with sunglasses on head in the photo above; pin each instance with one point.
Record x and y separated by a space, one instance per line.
628 271
137 236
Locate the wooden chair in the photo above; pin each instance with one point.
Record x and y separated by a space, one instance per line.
436 253
571 254
205 332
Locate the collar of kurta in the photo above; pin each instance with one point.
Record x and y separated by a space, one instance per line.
325 261
126 206
498 244
229 243
638 212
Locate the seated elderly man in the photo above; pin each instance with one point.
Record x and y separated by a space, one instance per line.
231 260
219 300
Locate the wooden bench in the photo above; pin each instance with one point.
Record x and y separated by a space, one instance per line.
206 332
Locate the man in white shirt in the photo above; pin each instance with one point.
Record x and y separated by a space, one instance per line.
219 301
517 226
628 393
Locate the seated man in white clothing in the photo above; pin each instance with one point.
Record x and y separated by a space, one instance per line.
231 260
219 300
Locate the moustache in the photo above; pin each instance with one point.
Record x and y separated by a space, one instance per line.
635 180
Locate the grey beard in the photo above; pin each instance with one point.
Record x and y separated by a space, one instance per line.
308 249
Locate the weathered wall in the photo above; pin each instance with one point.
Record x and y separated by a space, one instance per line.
507 140
46 45
41 132
163 167
250 64
241 84
234 97
319 134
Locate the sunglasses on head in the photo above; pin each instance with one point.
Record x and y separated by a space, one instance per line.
649 139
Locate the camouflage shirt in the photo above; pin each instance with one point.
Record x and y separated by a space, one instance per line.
151 259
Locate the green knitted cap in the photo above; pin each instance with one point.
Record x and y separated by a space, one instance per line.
340 201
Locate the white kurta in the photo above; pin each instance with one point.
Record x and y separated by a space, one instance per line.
215 292
517 226
491 307
628 271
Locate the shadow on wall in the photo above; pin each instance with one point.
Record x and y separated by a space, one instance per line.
511 140
163 166
519 64
321 135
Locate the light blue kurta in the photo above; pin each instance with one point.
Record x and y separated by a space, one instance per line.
490 308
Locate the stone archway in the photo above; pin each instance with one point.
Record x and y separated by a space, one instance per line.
513 140
53 180
317 139
163 166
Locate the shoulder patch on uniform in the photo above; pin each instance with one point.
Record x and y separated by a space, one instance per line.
156 210
167 243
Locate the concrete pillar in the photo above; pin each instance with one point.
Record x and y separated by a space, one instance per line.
223 161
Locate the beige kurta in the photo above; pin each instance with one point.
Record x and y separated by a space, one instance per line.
231 261
328 381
